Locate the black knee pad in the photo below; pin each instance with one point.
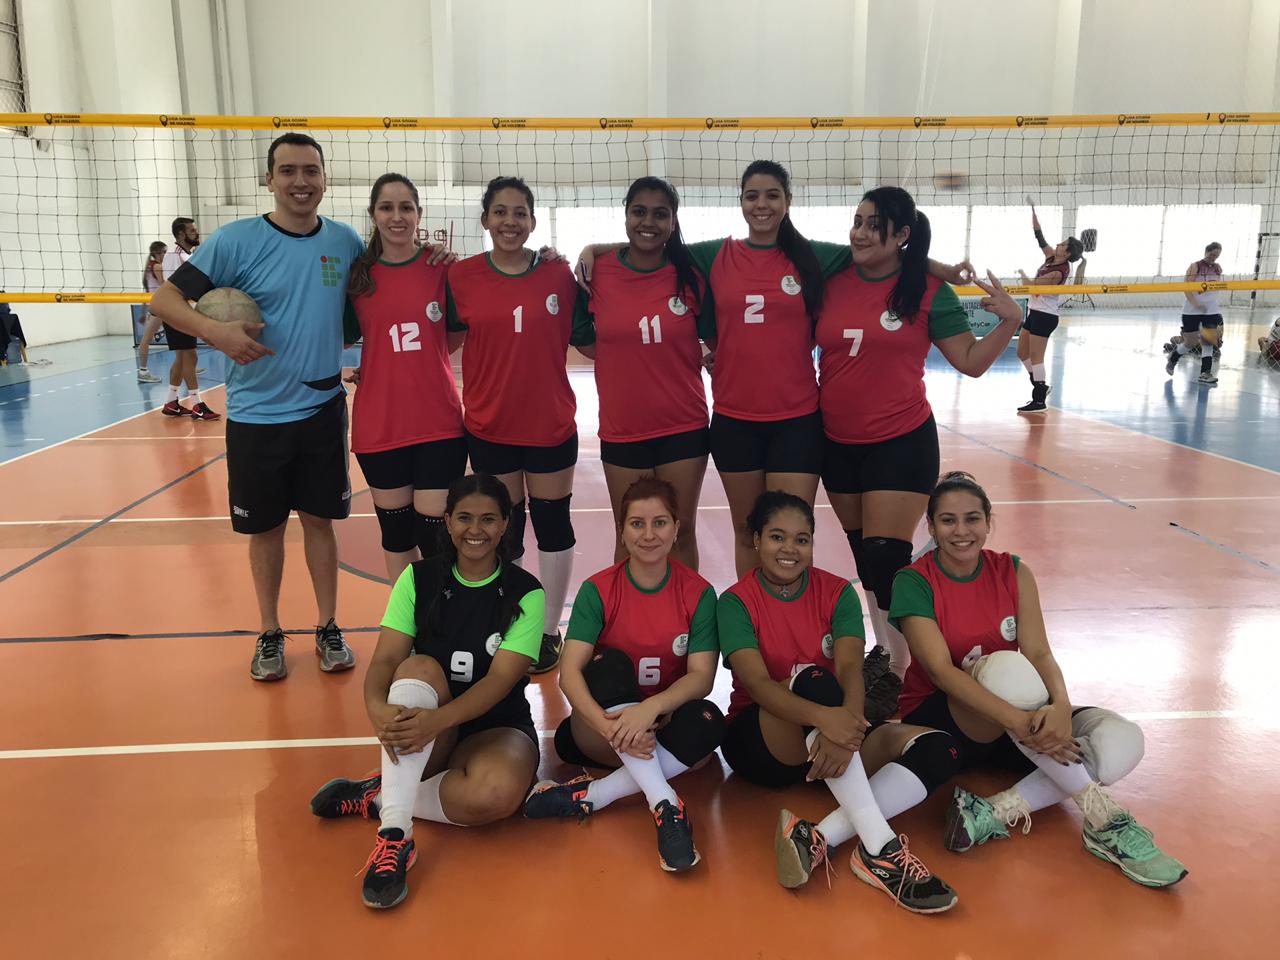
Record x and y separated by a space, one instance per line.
514 537
567 748
552 525
933 757
818 685
397 528
883 557
430 533
694 730
611 678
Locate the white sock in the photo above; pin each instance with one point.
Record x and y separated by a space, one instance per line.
1039 791
401 781
1026 362
1182 349
1072 778
194 395
427 805
889 637
853 793
621 783
173 393
554 570
1037 372
895 788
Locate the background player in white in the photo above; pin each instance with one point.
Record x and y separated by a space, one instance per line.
1042 311
1201 318
182 345
152 277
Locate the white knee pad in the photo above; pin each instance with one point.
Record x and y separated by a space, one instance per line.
1012 678
1112 746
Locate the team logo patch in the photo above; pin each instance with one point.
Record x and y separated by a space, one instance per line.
680 645
1009 628
890 321
789 285
829 646
492 643
434 313
676 306
553 304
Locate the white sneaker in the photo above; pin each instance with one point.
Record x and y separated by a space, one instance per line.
145 376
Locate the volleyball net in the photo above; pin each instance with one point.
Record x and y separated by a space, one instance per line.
82 197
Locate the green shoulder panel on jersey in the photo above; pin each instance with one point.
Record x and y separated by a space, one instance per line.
832 257
1017 562
736 630
946 314
846 620
704 635
704 253
524 636
586 621
452 322
912 597
584 324
402 605
351 332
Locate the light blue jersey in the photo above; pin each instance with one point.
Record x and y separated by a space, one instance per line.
300 285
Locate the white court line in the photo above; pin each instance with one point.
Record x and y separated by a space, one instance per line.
223 746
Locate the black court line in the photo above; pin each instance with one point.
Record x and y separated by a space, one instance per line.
196 635
1228 550
80 535
1041 467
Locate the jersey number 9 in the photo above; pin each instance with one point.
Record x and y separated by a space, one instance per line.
462 666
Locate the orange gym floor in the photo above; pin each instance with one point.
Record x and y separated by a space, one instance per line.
156 798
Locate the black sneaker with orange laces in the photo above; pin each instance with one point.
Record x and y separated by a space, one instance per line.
551 799
384 876
799 848
347 798
903 876
676 852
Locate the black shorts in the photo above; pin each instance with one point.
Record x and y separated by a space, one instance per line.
515 715
774 446
909 462
273 468
424 466
1039 323
1191 322
177 340
500 458
748 755
1001 752
654 452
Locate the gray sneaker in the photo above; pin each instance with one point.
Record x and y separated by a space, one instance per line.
332 649
268 657
146 376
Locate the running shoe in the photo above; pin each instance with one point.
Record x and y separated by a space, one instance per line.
1172 363
332 649
549 654
268 657
174 409
880 702
384 877
799 847
971 822
1208 379
146 376
551 799
1125 842
201 411
676 852
347 798
903 876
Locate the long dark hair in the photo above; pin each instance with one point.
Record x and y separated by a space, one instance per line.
507 608
772 502
950 483
895 206
791 242
677 253
359 280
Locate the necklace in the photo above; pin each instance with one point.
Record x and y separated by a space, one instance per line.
784 590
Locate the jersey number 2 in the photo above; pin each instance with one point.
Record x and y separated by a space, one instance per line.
404 337
754 312
462 666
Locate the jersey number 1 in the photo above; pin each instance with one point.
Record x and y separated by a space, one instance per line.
651 330
518 315
404 337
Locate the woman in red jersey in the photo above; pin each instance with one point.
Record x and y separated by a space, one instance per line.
880 317
516 310
640 325
406 424
766 432
983 677
639 662
793 637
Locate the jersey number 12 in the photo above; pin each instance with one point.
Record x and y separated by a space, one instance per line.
404 337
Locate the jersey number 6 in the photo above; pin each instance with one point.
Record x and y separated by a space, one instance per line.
650 671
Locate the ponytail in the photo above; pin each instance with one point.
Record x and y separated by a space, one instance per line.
895 206
688 287
360 280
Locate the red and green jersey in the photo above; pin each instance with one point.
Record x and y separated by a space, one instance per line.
648 354
791 632
515 386
872 363
976 615
656 628
764 338
407 393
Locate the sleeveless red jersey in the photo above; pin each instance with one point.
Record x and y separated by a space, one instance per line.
650 628
515 385
977 616
648 356
407 393
764 338
872 362
790 633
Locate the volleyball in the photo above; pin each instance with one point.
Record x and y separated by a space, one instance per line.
229 305
951 180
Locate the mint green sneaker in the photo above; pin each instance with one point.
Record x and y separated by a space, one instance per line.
971 820
1130 846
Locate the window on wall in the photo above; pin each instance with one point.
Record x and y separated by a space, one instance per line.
13 94
1128 239
822 223
578 226
947 225
711 223
1000 238
1189 229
